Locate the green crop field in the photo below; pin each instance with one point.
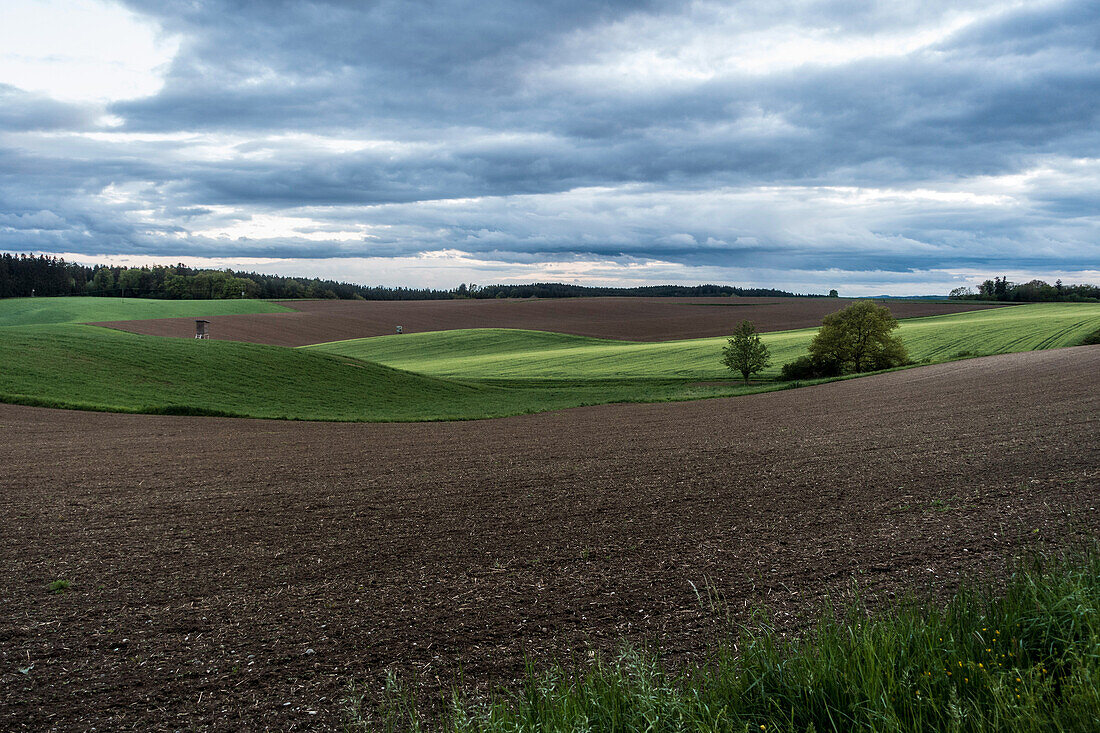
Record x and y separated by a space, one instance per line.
83 366
501 354
65 365
48 359
34 311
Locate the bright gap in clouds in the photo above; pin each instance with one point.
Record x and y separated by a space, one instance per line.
266 226
81 50
718 40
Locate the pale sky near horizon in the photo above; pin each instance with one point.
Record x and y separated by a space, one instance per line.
872 147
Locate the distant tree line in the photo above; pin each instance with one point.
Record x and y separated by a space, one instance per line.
23 275
999 288
563 290
26 275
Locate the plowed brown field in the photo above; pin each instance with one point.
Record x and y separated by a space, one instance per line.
236 574
630 319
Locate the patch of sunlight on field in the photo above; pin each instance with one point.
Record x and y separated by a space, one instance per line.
85 367
517 354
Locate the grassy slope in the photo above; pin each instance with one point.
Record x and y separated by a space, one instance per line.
119 371
111 370
34 311
501 354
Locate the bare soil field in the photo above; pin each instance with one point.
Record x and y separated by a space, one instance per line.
237 574
628 319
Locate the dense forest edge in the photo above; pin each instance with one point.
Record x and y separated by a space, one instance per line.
23 276
1034 291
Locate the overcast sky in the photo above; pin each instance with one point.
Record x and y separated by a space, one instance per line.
887 147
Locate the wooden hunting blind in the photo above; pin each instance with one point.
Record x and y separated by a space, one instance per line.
200 330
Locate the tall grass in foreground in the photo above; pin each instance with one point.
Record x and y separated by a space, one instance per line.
1024 659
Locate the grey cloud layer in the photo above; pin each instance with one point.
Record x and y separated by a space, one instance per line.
22 111
503 129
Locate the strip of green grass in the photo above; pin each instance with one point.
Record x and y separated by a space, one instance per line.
1024 659
67 365
30 311
521 355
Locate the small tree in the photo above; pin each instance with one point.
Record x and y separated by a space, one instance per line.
746 353
858 338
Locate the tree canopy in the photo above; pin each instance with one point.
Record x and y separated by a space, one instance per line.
859 339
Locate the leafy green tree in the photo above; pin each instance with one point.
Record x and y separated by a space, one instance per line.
104 280
177 287
746 353
129 280
294 289
858 338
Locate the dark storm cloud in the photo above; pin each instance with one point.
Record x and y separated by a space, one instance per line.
481 121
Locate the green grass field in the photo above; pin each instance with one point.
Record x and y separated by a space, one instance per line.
500 354
48 359
37 311
85 367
